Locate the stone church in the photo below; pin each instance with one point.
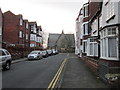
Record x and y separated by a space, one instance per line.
64 43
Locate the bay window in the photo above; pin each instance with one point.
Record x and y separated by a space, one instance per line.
109 47
93 47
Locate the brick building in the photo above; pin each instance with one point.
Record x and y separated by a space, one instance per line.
26 33
33 34
39 38
13 29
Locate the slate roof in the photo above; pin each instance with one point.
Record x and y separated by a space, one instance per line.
52 39
71 38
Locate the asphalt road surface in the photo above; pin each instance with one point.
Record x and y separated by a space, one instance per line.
32 74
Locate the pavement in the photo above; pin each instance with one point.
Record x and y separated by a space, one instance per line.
78 75
19 60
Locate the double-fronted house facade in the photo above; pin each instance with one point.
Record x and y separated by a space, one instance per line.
101 36
110 30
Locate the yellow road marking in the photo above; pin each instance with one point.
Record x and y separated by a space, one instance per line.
56 77
59 74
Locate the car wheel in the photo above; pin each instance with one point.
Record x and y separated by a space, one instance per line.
7 66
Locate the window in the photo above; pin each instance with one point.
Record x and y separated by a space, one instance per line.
32 45
109 47
93 47
85 29
85 46
85 11
112 47
7 52
26 36
101 21
31 36
110 9
20 34
26 25
20 22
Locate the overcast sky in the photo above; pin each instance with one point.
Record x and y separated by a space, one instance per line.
52 15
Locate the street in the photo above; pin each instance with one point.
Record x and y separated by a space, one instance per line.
32 74
44 73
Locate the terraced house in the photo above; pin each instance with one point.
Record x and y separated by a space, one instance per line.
13 29
99 36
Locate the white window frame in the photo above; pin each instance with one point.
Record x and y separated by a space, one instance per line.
93 43
21 21
27 25
102 47
86 31
85 14
26 36
85 41
20 34
100 18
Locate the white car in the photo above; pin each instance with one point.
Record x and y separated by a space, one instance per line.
5 59
49 52
54 51
35 55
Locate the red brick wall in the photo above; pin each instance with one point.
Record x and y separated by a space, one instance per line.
10 28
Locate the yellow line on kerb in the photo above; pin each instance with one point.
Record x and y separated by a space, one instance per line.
56 77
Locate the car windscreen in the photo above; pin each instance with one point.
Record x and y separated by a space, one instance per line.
34 53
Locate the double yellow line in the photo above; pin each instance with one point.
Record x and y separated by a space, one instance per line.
57 75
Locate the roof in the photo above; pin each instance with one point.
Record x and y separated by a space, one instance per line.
53 39
70 37
31 23
9 12
0 10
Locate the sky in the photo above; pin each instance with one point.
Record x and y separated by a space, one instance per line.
53 15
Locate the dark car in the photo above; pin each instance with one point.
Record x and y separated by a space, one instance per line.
45 53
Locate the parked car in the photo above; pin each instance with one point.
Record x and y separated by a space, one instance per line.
5 59
45 53
35 55
49 52
54 52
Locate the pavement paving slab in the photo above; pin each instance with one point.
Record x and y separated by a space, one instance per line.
78 75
